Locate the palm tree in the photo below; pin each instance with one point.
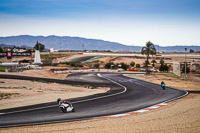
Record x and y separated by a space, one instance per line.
149 49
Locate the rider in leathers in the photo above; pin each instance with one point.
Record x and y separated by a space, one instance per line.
163 85
61 101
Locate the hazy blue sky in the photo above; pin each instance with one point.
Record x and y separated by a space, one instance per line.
130 22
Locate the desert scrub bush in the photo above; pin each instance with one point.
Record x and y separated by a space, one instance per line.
12 87
4 95
92 87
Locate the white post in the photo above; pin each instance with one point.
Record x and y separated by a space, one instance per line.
37 59
185 63
176 68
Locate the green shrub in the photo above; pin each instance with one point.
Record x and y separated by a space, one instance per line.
109 65
138 65
124 66
96 66
183 69
132 63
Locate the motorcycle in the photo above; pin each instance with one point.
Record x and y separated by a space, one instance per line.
66 107
163 85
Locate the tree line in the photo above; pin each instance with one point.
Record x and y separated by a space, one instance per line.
38 46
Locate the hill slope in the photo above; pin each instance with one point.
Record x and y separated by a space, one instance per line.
77 43
63 43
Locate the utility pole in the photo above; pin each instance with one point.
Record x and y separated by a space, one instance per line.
83 47
60 46
185 62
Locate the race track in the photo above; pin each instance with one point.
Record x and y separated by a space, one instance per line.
126 95
82 59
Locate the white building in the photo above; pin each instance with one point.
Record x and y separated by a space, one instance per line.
52 50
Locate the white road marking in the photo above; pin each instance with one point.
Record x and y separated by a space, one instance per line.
154 107
119 115
186 92
162 104
126 80
125 89
141 111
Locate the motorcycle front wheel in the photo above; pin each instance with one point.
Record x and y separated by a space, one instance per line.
64 110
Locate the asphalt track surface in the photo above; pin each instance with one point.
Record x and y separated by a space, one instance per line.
81 59
126 95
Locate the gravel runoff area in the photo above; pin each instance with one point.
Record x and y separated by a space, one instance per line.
25 93
181 115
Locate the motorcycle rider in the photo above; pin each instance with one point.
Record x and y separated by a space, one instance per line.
59 101
163 85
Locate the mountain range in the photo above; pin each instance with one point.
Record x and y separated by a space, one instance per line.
78 43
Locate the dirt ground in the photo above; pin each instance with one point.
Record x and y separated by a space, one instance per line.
43 73
31 92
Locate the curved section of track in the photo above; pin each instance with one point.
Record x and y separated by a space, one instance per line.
81 59
126 95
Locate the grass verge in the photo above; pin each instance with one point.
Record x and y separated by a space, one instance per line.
2 69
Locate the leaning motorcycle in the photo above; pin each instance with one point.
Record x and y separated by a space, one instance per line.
66 108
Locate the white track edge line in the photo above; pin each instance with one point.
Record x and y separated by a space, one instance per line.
165 102
186 92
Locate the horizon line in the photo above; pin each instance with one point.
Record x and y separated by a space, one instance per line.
94 39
